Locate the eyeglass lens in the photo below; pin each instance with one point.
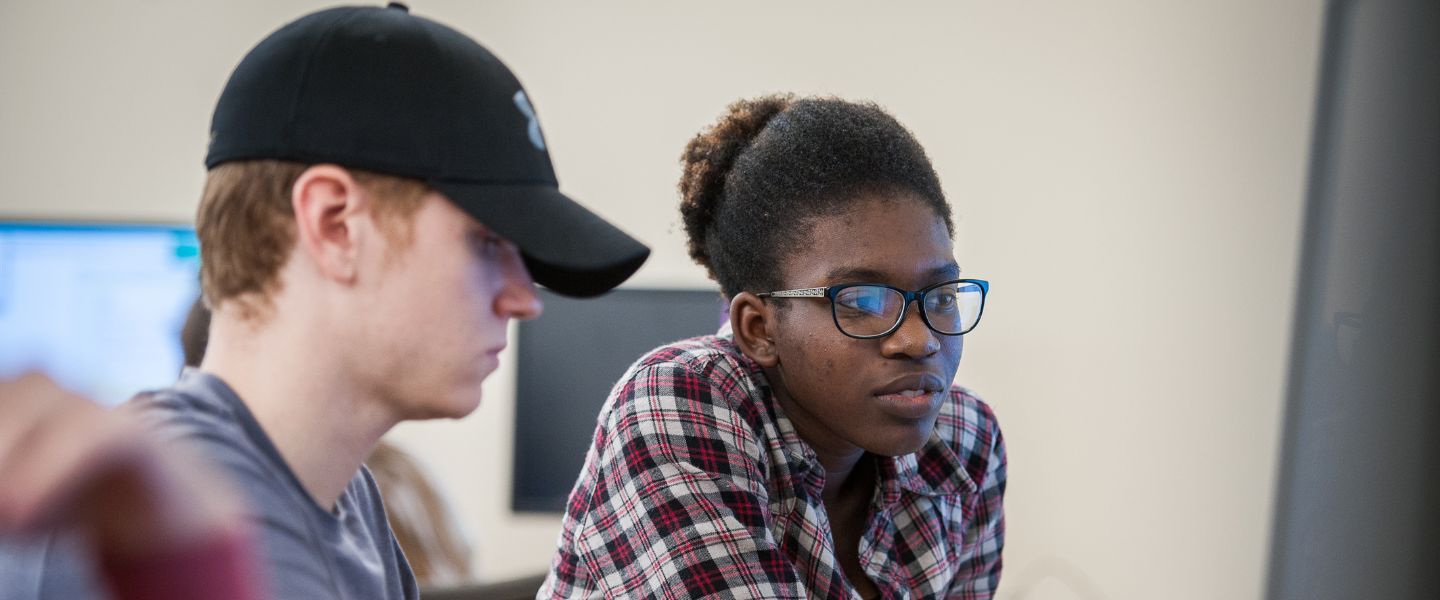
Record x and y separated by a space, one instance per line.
867 310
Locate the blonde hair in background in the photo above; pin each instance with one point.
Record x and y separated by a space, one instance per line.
420 518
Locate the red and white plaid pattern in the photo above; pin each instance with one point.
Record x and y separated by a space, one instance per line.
698 486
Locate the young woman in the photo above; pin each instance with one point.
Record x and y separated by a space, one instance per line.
814 448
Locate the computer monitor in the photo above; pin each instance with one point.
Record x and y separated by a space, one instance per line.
97 306
1358 503
568 360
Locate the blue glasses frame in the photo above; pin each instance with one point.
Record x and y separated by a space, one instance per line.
917 296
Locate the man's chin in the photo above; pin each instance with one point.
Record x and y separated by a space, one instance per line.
454 407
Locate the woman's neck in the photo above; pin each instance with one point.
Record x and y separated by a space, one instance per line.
837 455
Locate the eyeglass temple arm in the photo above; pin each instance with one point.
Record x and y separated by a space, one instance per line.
801 293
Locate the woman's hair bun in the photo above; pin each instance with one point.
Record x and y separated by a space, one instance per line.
707 161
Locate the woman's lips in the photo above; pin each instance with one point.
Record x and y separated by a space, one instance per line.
913 396
911 404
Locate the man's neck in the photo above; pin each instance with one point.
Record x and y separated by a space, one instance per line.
318 417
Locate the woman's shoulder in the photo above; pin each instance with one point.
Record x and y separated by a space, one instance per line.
710 359
706 373
696 351
697 399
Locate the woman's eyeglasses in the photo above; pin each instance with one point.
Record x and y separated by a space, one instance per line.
871 310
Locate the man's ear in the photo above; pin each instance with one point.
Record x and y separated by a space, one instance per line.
326 200
752 321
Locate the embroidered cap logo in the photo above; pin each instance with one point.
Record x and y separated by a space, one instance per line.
523 103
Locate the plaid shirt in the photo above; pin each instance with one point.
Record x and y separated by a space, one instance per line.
697 485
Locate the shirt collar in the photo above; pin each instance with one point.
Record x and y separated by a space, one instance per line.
934 470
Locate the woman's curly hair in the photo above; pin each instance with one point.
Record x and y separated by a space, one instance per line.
755 181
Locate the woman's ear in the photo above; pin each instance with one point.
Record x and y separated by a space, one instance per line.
752 322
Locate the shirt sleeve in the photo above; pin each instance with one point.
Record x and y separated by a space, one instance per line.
678 507
984 539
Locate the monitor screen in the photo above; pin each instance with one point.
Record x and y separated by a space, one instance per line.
568 360
97 306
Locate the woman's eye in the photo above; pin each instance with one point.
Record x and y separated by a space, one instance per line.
861 301
943 300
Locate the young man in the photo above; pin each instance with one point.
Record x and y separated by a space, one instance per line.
379 206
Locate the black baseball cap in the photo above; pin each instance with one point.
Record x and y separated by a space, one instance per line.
382 90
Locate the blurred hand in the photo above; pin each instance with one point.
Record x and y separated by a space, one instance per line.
65 461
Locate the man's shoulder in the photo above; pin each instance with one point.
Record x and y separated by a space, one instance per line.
178 412
197 402
308 552
197 415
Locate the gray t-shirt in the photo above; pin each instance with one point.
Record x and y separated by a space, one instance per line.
308 552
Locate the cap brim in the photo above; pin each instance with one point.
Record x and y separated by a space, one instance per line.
566 247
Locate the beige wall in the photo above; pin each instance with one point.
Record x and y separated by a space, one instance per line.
1128 174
